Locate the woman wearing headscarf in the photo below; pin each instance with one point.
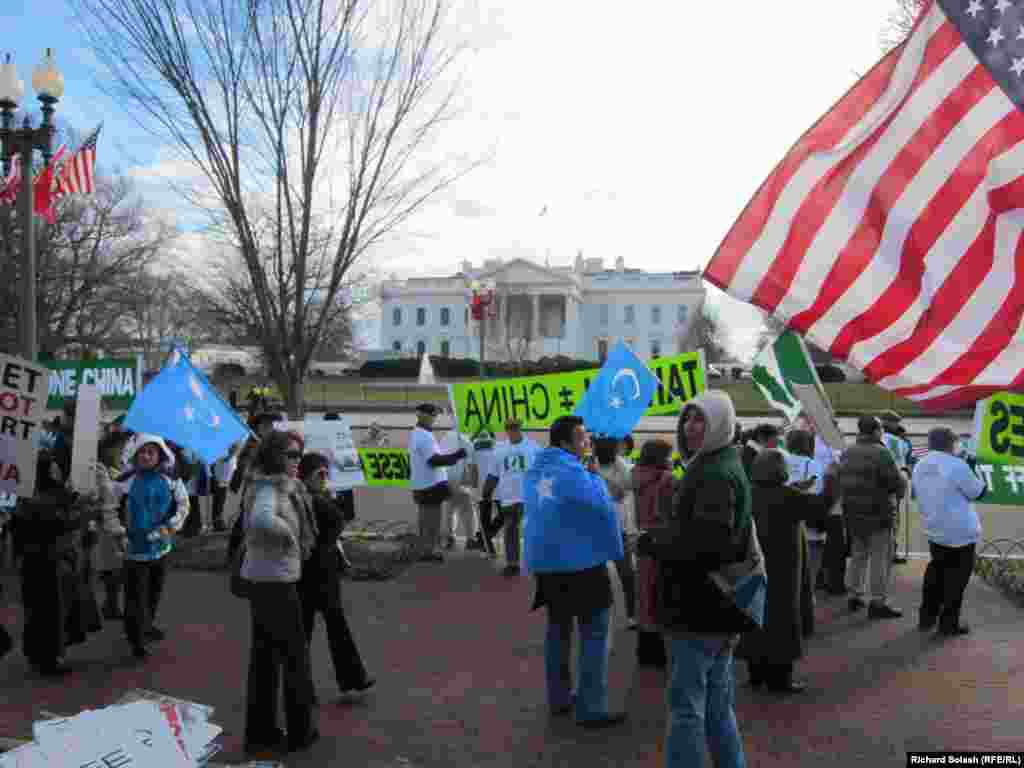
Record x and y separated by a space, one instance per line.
47 529
279 534
108 554
320 585
779 513
652 490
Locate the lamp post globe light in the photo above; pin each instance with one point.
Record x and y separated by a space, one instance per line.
48 83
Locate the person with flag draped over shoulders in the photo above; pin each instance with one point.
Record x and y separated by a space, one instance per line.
707 543
571 532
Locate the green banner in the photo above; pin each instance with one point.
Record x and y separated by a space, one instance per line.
999 447
117 380
538 400
385 467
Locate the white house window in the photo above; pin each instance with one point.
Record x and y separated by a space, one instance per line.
655 348
602 314
396 316
629 314
655 315
421 316
446 315
602 350
421 347
446 348
397 346
681 312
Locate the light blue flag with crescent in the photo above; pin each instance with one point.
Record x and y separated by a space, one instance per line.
179 404
618 395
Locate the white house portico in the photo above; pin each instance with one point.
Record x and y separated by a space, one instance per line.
578 311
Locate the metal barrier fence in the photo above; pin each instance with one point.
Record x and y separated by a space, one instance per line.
1000 562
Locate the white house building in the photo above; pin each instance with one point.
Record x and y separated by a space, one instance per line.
578 311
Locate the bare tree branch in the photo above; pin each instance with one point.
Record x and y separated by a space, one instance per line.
271 101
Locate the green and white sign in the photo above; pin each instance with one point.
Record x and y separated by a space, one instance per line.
999 447
118 381
538 400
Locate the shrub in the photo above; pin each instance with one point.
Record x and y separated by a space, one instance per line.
830 374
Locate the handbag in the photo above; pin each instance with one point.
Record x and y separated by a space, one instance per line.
743 586
240 586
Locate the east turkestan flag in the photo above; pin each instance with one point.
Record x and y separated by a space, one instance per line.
778 367
179 404
890 235
619 394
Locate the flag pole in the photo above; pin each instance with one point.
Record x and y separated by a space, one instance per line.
28 253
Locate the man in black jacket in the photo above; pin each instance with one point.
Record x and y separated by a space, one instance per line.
871 486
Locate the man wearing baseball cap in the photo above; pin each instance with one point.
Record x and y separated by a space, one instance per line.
871 486
428 479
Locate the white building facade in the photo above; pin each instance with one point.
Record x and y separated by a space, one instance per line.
577 311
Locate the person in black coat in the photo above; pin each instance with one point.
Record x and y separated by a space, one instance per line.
320 585
780 512
760 438
47 533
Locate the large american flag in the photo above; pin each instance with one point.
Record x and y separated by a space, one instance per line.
79 172
891 234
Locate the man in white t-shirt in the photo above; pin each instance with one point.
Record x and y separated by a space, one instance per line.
946 488
505 481
428 479
485 448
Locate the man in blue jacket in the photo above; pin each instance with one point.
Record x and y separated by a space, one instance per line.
570 534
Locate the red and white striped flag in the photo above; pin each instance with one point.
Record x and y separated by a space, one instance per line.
891 234
79 172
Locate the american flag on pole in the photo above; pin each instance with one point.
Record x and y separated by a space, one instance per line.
79 172
891 234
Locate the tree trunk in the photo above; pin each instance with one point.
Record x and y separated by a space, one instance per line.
291 382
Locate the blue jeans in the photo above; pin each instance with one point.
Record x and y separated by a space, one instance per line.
701 695
592 665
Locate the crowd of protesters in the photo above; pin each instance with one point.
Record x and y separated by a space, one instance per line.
810 517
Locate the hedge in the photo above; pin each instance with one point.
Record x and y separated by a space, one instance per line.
465 368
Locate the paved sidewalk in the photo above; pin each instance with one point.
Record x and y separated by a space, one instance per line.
459 661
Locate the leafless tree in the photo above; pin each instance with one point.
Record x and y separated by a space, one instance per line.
707 332
900 22
89 263
308 122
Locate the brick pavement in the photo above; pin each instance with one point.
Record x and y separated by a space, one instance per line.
459 662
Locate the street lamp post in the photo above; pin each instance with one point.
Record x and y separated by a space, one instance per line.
48 84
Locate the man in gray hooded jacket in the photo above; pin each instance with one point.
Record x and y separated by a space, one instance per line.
711 528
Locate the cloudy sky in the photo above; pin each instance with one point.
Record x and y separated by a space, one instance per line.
644 127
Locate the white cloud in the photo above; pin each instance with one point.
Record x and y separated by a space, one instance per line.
644 130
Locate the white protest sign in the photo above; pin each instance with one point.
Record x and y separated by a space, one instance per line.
8 457
333 439
23 391
87 436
